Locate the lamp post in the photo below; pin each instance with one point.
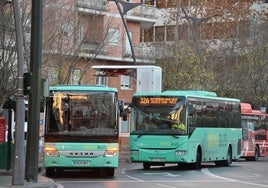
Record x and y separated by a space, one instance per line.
19 156
126 7
194 23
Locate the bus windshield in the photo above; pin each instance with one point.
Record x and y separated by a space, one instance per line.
159 115
81 113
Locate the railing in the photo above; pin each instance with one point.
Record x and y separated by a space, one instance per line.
92 4
92 47
146 11
141 52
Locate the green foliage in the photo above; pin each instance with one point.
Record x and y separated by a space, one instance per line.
185 71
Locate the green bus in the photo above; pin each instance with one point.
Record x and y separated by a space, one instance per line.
81 129
184 127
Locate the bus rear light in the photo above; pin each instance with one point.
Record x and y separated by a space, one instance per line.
110 152
181 152
51 151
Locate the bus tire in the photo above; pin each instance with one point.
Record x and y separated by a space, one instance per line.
197 164
228 160
198 159
50 172
256 155
146 166
110 172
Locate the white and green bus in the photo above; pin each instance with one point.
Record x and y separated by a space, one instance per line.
81 129
184 127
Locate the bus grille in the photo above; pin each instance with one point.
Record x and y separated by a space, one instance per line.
89 154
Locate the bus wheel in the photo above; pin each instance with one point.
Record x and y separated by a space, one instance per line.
198 159
228 160
110 172
197 164
50 172
257 153
146 166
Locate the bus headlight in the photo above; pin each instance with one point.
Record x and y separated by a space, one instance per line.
51 151
181 152
110 152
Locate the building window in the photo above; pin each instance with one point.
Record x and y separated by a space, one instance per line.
114 35
125 82
67 30
80 33
53 75
76 75
101 80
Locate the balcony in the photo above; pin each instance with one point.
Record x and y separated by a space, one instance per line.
145 14
86 5
142 52
92 48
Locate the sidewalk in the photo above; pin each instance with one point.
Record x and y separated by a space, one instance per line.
43 182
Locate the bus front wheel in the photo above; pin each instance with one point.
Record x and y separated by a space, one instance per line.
50 172
146 166
110 172
198 159
256 155
197 164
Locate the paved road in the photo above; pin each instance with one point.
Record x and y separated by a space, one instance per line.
242 174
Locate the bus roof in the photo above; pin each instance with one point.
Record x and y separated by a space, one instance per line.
82 88
188 93
247 110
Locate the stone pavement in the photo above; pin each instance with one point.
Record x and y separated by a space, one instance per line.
43 182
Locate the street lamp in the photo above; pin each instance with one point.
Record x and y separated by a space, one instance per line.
126 7
19 157
194 23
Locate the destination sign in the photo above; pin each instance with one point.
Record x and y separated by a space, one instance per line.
157 101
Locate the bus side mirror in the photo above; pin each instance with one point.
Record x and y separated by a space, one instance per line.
124 115
122 112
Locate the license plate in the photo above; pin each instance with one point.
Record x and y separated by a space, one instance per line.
81 163
158 160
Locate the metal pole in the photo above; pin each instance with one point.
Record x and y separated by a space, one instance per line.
32 153
19 154
128 35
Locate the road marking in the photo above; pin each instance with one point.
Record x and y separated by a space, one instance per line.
163 174
137 179
207 172
165 185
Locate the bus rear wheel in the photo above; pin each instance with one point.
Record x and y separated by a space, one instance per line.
228 160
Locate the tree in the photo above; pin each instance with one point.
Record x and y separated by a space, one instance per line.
219 45
72 41
8 53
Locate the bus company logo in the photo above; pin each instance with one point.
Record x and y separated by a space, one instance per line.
81 154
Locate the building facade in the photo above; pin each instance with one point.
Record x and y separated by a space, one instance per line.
79 34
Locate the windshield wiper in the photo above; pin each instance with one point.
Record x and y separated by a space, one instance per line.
175 136
142 134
